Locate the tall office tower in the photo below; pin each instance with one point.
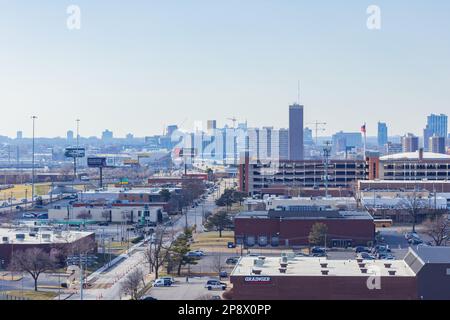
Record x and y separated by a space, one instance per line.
437 144
308 137
253 143
107 135
70 135
436 125
265 143
296 132
171 129
283 144
382 134
211 125
410 143
19 135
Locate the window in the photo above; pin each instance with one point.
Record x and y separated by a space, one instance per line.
448 272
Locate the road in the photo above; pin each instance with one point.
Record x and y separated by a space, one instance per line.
182 290
107 285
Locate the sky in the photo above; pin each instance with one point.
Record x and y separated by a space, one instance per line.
139 65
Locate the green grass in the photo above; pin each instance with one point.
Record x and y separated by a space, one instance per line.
32 295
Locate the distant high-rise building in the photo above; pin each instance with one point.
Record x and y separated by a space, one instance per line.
437 125
382 134
129 136
437 144
19 135
410 143
308 137
171 129
393 148
211 125
296 147
283 144
70 135
343 141
107 135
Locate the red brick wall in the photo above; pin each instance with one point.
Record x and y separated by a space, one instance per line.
297 231
324 288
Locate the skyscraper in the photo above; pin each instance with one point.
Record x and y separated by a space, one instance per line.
19 135
437 125
107 135
211 125
296 132
382 134
437 144
70 135
410 143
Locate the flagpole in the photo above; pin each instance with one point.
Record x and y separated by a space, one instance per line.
365 141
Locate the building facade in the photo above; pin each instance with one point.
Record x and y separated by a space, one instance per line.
296 143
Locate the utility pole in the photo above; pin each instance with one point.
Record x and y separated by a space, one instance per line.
326 156
319 126
32 169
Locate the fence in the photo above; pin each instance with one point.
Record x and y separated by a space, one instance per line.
4 297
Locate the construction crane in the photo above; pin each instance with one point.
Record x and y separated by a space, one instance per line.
318 127
234 120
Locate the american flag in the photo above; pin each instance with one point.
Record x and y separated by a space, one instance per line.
363 128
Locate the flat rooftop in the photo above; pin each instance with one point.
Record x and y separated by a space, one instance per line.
128 191
310 266
306 215
42 235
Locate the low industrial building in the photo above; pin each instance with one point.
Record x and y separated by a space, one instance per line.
423 274
115 213
291 226
30 236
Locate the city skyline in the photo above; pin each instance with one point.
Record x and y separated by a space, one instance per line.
141 71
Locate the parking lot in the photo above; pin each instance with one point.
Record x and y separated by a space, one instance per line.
182 290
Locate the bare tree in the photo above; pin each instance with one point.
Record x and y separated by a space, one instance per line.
438 229
158 250
84 215
132 283
106 215
34 261
413 204
216 263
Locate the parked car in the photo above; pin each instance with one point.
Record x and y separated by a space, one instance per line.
366 256
362 249
215 284
415 241
5 204
318 252
196 254
381 248
223 274
18 208
231 245
170 279
28 215
148 298
232 260
386 256
162 283
43 216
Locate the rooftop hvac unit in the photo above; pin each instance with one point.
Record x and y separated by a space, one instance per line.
5 239
46 237
258 262
20 236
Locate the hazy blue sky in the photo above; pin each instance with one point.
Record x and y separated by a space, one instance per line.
136 66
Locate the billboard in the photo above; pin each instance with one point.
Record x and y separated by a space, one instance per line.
96 162
75 153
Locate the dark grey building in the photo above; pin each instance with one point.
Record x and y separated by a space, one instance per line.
432 268
296 132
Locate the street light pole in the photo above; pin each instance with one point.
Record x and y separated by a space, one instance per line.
32 168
